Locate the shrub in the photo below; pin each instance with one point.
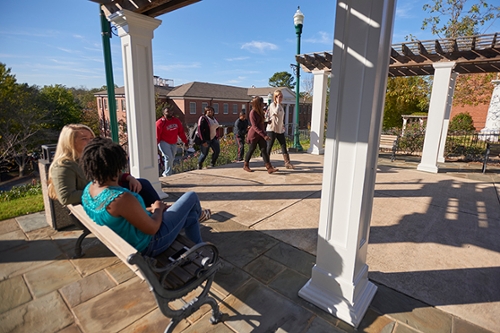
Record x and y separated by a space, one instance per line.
21 191
462 122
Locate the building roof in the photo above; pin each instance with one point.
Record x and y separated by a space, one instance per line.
472 54
209 90
162 91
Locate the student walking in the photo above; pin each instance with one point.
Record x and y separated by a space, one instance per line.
257 136
275 127
241 127
168 129
207 129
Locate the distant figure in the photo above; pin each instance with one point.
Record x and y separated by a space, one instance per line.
257 136
66 179
124 212
241 127
168 129
276 127
207 129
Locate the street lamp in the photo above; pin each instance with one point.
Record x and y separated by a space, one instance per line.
298 20
269 98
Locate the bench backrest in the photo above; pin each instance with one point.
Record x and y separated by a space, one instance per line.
494 149
108 237
388 141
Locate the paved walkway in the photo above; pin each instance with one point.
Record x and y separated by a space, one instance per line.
434 255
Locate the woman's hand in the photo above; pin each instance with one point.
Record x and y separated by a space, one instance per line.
134 184
267 138
158 205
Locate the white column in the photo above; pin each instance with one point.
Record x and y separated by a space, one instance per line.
320 86
446 121
136 33
362 41
437 110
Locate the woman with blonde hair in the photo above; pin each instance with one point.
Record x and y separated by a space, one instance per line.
66 178
257 135
275 127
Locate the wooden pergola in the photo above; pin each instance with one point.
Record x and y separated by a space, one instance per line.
151 8
472 55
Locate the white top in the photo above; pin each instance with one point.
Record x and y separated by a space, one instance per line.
276 119
214 124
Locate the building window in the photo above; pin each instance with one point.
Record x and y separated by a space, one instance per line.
226 108
124 105
244 108
99 100
203 106
235 108
105 104
216 108
192 107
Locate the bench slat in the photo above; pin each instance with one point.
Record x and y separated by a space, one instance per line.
115 243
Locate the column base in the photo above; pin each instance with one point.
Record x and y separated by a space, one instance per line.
427 168
316 151
338 306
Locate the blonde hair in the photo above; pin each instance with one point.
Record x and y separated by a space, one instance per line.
65 150
276 93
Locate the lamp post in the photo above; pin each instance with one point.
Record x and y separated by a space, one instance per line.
269 98
298 20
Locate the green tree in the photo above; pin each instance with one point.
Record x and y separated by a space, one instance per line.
463 18
60 105
282 79
88 103
405 95
20 120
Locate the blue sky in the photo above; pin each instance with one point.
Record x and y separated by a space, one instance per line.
233 42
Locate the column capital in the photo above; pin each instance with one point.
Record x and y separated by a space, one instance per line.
439 65
131 23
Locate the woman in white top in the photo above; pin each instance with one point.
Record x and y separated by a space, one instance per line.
276 127
208 132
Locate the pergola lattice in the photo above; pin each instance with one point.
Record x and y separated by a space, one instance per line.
473 54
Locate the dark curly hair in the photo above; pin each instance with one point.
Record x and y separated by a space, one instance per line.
103 160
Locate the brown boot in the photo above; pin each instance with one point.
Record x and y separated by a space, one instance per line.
270 168
288 165
246 167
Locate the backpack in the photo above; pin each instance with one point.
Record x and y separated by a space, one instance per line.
198 139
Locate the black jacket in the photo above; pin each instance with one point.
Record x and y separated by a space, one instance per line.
241 127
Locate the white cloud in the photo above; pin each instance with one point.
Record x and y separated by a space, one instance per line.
237 59
177 66
323 38
258 47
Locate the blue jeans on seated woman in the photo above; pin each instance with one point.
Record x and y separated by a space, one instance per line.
183 214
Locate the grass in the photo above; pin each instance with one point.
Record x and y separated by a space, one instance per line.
21 206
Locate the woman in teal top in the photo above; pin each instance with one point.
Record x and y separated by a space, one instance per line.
124 211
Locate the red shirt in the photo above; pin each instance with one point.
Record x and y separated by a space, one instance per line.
169 129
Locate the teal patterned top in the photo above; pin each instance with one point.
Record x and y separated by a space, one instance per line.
95 207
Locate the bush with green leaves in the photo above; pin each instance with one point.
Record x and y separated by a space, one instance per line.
412 140
21 191
462 122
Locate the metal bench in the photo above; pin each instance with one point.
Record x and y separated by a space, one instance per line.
492 150
182 268
389 142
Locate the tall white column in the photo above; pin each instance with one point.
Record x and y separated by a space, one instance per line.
320 86
446 121
136 34
362 41
437 110
491 129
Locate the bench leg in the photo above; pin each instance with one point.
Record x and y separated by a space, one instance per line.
78 245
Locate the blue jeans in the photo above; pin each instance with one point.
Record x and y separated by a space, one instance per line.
168 151
215 145
183 214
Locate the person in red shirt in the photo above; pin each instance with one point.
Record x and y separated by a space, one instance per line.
168 129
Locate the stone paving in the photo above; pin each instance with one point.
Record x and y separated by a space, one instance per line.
262 231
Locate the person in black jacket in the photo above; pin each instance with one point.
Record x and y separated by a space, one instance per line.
207 127
241 126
